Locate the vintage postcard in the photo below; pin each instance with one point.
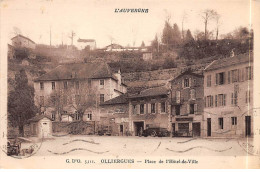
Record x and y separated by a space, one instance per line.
114 84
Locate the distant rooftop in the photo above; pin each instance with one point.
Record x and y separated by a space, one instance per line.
86 40
122 99
78 71
156 91
22 37
226 62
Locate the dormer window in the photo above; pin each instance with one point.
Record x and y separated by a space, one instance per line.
186 83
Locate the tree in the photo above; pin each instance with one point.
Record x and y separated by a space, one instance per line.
184 18
217 18
142 45
21 102
188 37
155 44
241 33
207 15
167 34
176 35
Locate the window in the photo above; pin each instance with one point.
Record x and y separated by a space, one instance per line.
216 100
209 81
234 75
65 100
220 123
141 108
153 108
53 100
222 100
77 99
41 85
248 73
89 83
192 94
248 97
234 120
90 116
53 85
177 109
192 109
209 101
178 96
186 83
134 109
53 115
229 77
220 78
102 83
42 100
163 107
102 98
77 117
65 84
234 98
77 84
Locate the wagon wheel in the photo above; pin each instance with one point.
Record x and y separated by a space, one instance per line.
153 133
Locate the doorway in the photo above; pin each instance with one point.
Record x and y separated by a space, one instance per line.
248 126
121 130
208 126
196 129
138 127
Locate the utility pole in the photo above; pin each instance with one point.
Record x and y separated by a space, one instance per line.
50 35
72 36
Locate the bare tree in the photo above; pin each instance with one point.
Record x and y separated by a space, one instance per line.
217 18
207 15
184 19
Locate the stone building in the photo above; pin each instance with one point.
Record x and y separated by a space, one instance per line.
74 91
114 113
187 104
21 41
149 108
228 92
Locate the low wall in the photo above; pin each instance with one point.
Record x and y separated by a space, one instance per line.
76 127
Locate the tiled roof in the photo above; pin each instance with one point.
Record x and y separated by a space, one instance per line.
38 118
78 71
122 99
23 37
156 91
188 72
225 62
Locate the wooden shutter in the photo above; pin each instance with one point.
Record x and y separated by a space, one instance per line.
195 108
182 82
138 109
216 79
189 82
228 77
159 107
149 108
145 108
188 108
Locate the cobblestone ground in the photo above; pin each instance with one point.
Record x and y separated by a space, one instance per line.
143 146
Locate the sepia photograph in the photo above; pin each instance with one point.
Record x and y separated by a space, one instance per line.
129 84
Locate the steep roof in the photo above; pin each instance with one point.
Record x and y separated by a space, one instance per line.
188 72
122 99
226 62
156 91
78 71
22 37
38 118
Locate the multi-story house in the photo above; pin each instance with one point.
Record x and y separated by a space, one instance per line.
149 108
21 41
114 116
228 90
74 91
187 104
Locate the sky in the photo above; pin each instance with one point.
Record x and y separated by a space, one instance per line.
96 19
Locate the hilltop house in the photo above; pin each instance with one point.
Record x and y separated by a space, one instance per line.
228 92
74 91
20 41
90 44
